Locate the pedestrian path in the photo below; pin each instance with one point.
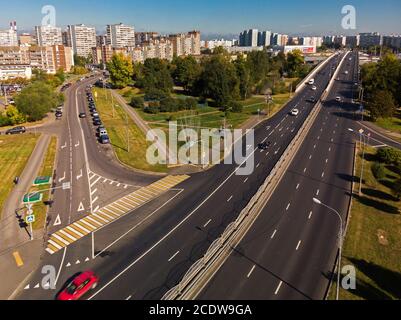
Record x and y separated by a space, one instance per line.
110 213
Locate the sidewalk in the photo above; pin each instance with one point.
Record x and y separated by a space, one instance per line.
15 247
393 136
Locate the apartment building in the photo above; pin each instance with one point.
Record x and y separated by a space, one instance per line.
393 42
83 39
186 43
370 39
26 39
48 36
8 38
120 35
49 58
8 71
103 54
141 37
264 38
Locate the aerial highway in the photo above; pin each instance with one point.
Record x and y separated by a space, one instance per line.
146 252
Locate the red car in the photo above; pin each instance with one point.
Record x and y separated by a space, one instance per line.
81 284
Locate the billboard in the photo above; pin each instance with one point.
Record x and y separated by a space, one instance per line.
303 49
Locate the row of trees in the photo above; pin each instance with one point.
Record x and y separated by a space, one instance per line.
215 77
382 86
388 157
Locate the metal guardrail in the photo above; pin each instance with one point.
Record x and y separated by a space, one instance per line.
197 276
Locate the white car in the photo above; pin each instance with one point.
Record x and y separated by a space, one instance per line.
314 88
294 112
338 99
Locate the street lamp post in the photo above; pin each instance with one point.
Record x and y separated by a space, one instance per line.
340 241
362 143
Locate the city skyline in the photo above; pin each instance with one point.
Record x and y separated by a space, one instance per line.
301 18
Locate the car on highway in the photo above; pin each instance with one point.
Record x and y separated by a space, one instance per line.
338 99
104 139
311 81
294 112
80 285
16 130
82 115
264 145
314 88
311 100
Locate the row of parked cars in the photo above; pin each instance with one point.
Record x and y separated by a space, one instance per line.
101 132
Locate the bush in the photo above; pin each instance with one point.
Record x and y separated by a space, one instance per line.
168 105
389 156
378 171
152 108
235 107
155 95
191 103
137 103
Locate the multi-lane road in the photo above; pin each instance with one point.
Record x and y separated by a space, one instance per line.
142 254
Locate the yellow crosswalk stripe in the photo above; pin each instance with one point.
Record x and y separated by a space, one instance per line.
79 229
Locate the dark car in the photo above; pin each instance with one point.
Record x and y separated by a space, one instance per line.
82 115
97 122
264 145
59 114
104 139
16 130
311 100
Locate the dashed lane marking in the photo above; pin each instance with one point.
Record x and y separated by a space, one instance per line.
110 213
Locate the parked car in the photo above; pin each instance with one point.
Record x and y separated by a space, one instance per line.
97 122
102 132
104 139
16 130
80 285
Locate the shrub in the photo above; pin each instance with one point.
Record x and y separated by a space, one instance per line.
168 105
137 102
191 103
152 108
389 156
378 171
155 95
235 107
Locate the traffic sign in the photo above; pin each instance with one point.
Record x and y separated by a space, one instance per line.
40 181
30 218
32 198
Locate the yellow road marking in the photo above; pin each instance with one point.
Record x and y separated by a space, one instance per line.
18 259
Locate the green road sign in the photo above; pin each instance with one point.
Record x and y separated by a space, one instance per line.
41 181
33 198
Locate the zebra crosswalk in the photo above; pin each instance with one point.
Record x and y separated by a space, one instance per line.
110 213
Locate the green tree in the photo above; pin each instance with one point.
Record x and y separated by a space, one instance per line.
218 81
389 156
14 115
381 105
244 77
396 189
185 72
191 103
36 100
121 70
295 62
155 75
259 66
235 107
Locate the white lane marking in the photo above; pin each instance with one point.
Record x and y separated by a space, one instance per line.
299 244
330 149
96 209
173 256
246 180
322 174
274 233
96 181
297 187
327 160
310 157
64 146
288 206
251 271
93 192
94 200
304 170
80 175
317 192
278 288
62 179
310 215
207 223
229 199
77 145
258 165
78 262
169 233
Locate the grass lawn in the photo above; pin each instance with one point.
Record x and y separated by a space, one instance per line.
373 242
391 124
46 170
14 154
117 129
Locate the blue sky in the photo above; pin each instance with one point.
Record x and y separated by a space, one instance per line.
211 16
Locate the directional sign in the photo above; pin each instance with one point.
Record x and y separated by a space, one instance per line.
40 181
30 218
33 198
